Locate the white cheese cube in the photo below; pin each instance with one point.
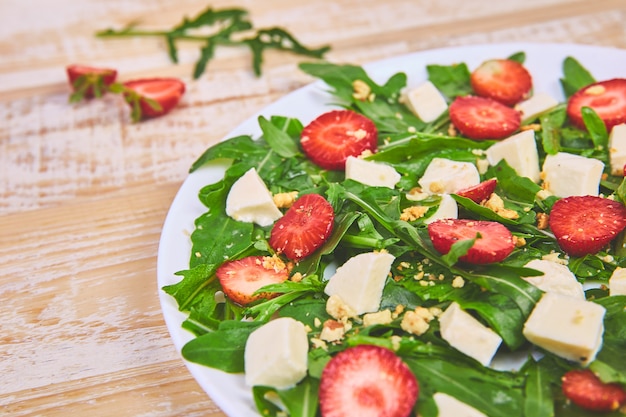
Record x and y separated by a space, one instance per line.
566 175
426 101
617 282
371 173
556 278
445 176
359 282
566 326
448 209
520 152
617 149
448 406
537 104
250 201
468 335
276 354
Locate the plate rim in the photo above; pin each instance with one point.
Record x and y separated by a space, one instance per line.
173 318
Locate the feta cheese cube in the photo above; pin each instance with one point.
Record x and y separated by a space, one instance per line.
276 354
445 176
448 209
360 280
448 406
566 326
617 149
371 173
426 101
250 201
537 104
617 282
556 278
566 175
468 335
520 152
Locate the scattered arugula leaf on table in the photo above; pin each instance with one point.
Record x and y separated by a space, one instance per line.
228 26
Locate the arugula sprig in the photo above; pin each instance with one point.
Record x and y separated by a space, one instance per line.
228 28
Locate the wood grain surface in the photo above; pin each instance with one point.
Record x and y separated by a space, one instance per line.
84 192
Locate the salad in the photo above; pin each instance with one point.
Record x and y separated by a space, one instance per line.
430 276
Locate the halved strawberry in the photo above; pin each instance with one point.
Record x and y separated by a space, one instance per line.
90 81
367 381
479 192
334 136
503 80
585 224
494 242
242 277
165 92
586 390
607 98
483 118
304 227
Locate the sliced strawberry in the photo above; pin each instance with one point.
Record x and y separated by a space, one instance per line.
304 227
334 136
483 118
586 390
242 277
91 81
607 98
503 80
494 242
585 224
367 381
479 192
166 92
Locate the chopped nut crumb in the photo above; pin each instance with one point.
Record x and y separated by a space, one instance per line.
414 323
518 241
318 343
554 257
413 213
458 282
542 221
380 317
274 262
532 126
297 277
285 200
496 204
336 307
361 90
452 130
332 331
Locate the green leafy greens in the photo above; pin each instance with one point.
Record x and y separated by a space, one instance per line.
228 27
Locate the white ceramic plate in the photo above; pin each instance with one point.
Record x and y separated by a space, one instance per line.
544 61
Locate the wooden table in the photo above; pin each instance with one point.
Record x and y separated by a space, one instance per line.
84 192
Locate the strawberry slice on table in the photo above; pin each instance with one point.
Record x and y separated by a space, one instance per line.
483 118
367 381
503 80
153 97
479 192
494 242
334 136
585 224
242 277
607 98
587 391
90 81
304 228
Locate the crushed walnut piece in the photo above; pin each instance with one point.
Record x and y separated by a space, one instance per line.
285 200
380 317
274 262
518 241
417 321
452 130
413 213
332 331
361 90
496 204
339 310
542 221
532 126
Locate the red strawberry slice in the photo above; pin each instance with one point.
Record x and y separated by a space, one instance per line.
494 242
242 277
304 227
503 80
607 98
483 118
479 192
586 390
165 91
334 136
92 76
585 224
367 381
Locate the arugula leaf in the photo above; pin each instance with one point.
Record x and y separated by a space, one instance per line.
279 140
538 401
575 76
451 80
227 25
551 124
301 400
518 57
596 128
